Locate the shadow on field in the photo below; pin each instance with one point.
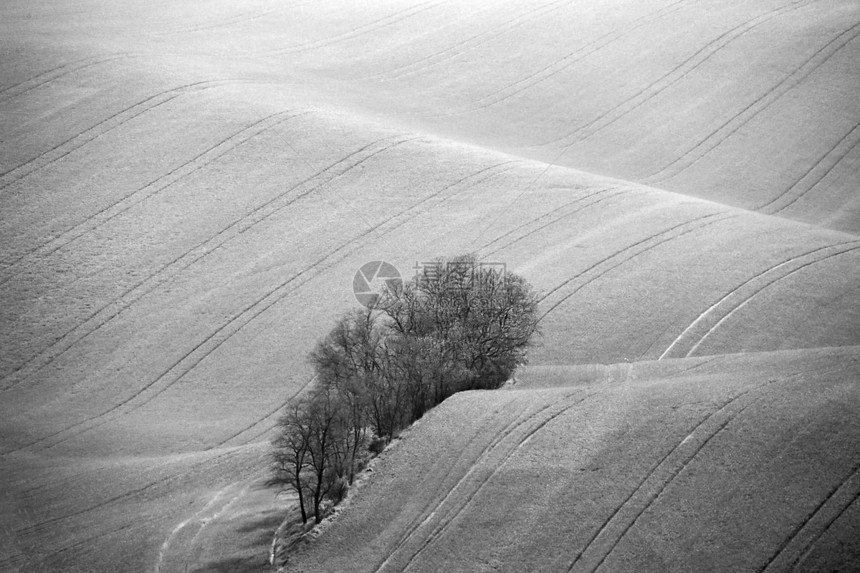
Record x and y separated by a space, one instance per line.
252 552
259 532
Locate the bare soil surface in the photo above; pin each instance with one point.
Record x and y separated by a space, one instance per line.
187 189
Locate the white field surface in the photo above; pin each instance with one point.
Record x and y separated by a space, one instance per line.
187 188
741 463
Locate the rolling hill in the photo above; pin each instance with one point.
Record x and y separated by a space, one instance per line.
187 190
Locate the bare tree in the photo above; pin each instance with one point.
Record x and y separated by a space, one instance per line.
290 460
325 422
482 319
459 326
345 362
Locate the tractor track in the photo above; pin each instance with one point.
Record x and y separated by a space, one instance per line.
634 250
728 128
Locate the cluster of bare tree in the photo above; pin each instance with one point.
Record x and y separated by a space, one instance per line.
459 325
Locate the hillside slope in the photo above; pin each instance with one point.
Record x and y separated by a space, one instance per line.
746 465
187 190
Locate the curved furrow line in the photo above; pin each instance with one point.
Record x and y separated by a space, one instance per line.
621 252
430 508
109 212
13 559
427 515
166 272
658 478
552 221
384 232
544 216
64 70
728 128
811 544
452 51
452 514
218 332
42 525
649 474
103 127
833 157
693 332
635 254
663 487
18 265
536 78
35 490
89 540
373 26
633 251
784 273
67 147
46 72
181 367
672 77
815 524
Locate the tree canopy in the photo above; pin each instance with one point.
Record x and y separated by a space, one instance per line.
458 325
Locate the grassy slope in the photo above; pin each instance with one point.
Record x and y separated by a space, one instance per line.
187 191
742 463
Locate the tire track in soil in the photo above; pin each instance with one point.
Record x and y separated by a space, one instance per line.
492 171
282 405
624 250
181 367
673 76
120 206
487 428
657 479
633 251
219 340
166 272
15 560
103 127
536 78
728 128
41 74
382 234
89 540
368 28
427 514
102 316
55 74
553 221
822 168
451 515
452 52
684 344
801 541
